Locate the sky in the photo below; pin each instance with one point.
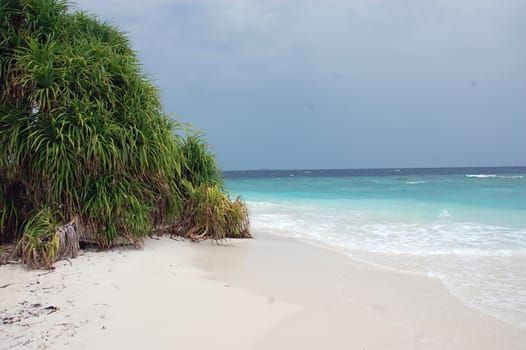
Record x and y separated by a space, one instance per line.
304 84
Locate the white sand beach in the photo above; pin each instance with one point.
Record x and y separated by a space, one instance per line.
265 293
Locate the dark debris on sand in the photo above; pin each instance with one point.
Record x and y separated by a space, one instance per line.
27 311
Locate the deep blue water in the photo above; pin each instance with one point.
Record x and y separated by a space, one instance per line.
466 226
266 173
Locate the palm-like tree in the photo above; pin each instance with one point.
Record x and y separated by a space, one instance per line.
83 133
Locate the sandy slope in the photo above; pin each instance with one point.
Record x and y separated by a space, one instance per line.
266 293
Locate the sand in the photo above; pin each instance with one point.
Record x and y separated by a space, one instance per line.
265 293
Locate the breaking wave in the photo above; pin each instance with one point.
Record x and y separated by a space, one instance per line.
481 176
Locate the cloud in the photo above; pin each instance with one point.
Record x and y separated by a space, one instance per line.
402 70
277 37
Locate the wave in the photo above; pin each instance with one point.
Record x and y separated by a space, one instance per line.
415 182
479 263
485 176
260 204
481 176
444 214
362 230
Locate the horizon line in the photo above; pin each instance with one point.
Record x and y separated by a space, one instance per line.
380 168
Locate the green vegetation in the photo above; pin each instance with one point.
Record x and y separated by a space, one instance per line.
83 135
39 245
207 209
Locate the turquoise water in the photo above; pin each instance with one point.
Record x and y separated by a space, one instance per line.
466 227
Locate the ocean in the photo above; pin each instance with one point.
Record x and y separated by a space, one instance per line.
464 226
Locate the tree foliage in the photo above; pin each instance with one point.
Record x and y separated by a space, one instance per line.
83 132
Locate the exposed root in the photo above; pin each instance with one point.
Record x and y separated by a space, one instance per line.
7 253
69 238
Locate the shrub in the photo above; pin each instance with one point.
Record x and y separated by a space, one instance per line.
83 134
39 245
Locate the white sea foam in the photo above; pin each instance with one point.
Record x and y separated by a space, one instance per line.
481 176
485 176
481 264
357 229
415 182
444 214
258 205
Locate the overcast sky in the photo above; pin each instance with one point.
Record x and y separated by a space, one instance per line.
338 83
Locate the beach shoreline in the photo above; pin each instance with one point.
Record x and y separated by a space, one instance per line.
268 292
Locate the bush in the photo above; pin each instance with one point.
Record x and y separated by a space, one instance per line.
208 210
209 213
83 133
39 246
